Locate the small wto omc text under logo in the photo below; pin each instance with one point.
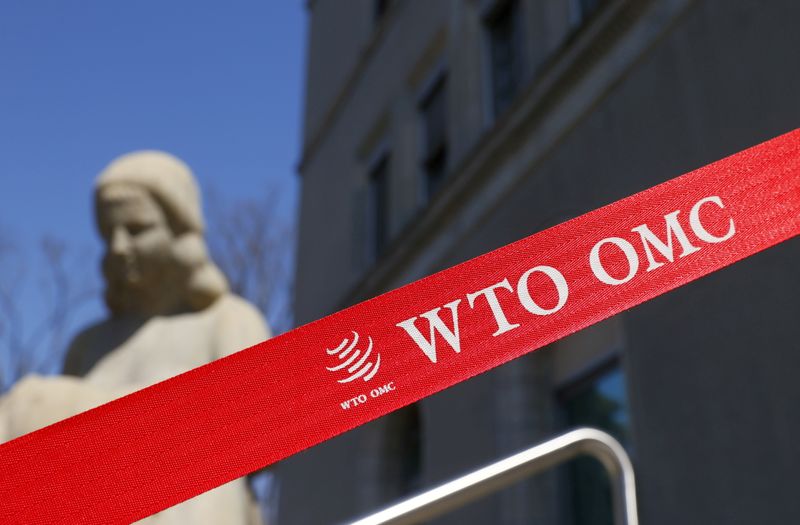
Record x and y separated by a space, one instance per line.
354 363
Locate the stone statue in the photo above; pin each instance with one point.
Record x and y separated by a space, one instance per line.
170 311
170 305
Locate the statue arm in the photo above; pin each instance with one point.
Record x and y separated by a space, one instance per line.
36 401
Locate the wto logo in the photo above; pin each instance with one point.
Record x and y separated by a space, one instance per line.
354 362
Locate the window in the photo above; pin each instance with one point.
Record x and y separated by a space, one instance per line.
598 401
504 34
378 206
433 110
402 453
583 10
379 8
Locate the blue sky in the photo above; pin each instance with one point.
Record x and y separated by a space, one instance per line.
219 84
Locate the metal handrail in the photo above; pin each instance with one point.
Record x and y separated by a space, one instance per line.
489 479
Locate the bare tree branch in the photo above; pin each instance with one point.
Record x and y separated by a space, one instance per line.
252 241
65 289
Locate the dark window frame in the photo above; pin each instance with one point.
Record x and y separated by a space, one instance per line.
503 28
380 8
402 453
587 10
434 117
587 377
378 213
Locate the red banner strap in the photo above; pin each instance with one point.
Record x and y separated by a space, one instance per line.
164 444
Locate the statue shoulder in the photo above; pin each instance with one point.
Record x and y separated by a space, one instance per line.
239 324
76 359
94 342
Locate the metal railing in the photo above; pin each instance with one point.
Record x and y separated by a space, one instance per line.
489 479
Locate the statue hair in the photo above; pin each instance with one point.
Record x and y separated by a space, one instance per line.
172 186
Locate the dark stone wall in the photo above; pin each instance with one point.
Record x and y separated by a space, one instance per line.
712 367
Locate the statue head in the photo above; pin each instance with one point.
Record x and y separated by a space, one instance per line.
149 215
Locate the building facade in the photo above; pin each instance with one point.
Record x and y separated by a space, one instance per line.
436 131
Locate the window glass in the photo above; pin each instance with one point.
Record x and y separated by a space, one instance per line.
433 111
378 216
583 10
601 402
402 453
504 33
589 7
379 8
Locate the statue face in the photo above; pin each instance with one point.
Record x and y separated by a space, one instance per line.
138 240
